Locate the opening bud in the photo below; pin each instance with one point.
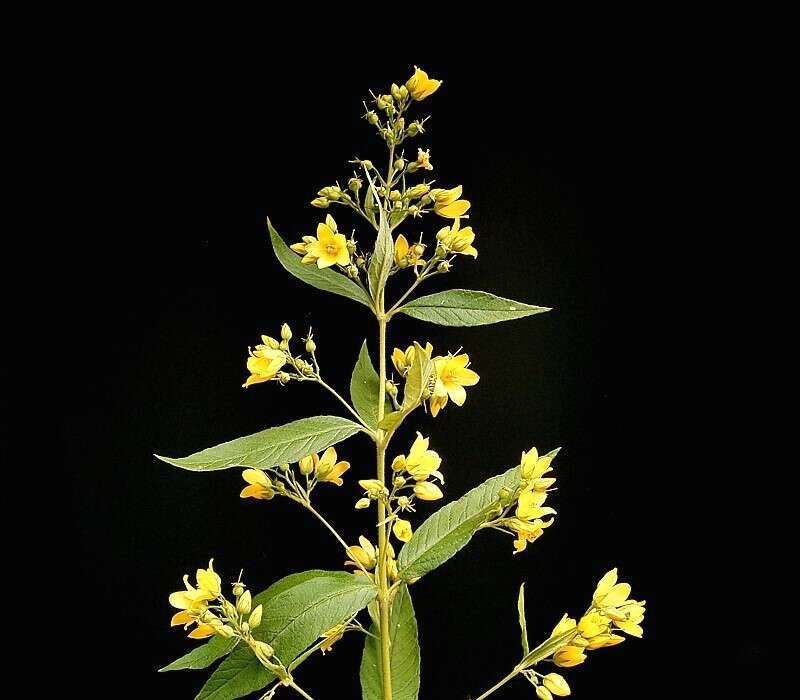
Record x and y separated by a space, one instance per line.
244 604
306 465
238 589
286 332
362 503
311 346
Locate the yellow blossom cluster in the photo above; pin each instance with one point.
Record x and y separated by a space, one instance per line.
364 557
612 610
528 522
452 374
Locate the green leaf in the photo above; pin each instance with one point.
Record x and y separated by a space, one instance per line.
297 610
203 656
451 527
465 307
382 258
405 655
365 389
369 204
523 623
271 447
325 279
417 380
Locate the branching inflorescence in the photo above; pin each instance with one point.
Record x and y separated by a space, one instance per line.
263 639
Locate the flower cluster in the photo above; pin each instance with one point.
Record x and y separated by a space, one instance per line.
312 470
267 361
451 375
611 611
206 607
522 511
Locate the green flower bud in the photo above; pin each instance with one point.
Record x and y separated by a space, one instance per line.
360 261
226 632
443 266
399 481
418 191
395 196
286 332
399 164
367 164
352 271
395 90
311 346
391 388
413 166
320 203
244 604
238 589
441 251
505 496
263 651
371 118
284 468
427 199
351 246
362 503
255 617
419 250
354 183
284 345
283 378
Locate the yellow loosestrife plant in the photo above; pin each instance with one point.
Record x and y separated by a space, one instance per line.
262 640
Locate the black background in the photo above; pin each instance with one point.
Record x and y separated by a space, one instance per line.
172 278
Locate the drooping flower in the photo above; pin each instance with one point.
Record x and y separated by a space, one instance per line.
363 553
556 684
260 486
402 530
328 469
327 249
427 491
569 656
447 203
457 240
330 637
420 85
452 375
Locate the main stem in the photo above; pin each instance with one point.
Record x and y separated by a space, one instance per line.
383 583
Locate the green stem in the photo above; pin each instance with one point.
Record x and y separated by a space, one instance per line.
383 587
300 691
333 391
499 684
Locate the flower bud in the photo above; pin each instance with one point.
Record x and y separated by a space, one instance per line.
412 167
228 610
354 183
362 503
418 250
391 388
263 651
332 193
371 117
556 684
245 627
403 502
543 693
283 378
374 488
413 209
286 332
306 465
320 203
311 346
399 481
418 190
426 200
245 603
255 617
361 261
399 463
505 496
352 271
395 90
403 93
238 589
399 125
367 164
441 251
395 196
391 569
443 266
399 164
284 345
226 632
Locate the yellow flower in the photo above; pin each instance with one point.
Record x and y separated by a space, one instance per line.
530 505
260 486
427 491
424 159
202 631
208 580
421 462
420 85
327 249
569 656
447 203
402 530
609 593
333 635
264 362
405 254
565 624
402 360
193 602
592 625
534 467
458 240
328 469
366 555
527 531
556 684
452 375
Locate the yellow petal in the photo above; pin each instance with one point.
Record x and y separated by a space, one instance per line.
256 476
402 530
202 632
427 491
184 617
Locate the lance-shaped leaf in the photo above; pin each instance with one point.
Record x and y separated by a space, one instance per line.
523 623
365 389
405 655
271 447
417 379
294 618
466 307
217 647
452 526
382 258
325 279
